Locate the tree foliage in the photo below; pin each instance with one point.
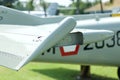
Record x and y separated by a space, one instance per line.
18 5
111 1
8 3
29 5
79 5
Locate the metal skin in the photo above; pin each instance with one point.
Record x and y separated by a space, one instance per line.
105 52
52 39
32 41
27 42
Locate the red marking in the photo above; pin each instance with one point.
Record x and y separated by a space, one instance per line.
63 53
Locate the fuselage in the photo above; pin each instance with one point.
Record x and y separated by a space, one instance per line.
106 52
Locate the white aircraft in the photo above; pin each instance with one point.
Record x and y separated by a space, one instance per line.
89 42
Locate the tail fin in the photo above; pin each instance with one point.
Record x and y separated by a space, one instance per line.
12 16
52 9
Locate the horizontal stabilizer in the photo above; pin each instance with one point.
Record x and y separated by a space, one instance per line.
15 54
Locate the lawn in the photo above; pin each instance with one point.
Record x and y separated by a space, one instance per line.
52 71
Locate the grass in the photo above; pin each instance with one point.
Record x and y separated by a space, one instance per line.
52 71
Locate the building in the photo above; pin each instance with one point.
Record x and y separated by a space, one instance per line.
107 7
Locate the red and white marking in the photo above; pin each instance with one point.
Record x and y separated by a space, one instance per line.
68 51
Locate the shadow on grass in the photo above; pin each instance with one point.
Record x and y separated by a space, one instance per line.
67 74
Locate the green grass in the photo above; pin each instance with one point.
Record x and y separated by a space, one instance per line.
51 71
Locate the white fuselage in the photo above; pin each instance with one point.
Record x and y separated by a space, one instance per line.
106 52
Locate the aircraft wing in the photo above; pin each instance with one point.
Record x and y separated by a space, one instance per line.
19 45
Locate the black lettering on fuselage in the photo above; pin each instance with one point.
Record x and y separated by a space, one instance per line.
49 50
115 41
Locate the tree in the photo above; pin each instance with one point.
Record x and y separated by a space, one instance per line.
18 5
101 6
29 5
77 7
80 6
8 3
111 1
44 5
